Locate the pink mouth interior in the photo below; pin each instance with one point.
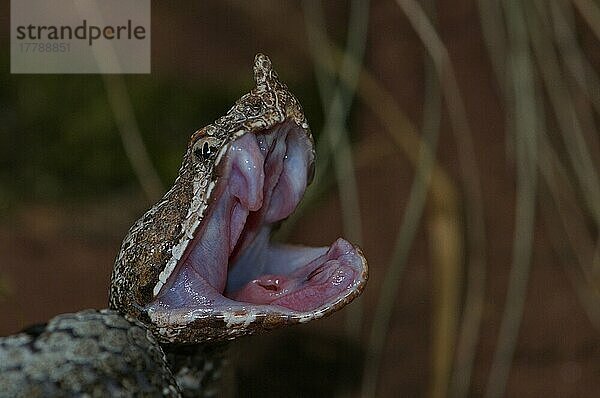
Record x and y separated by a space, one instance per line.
231 261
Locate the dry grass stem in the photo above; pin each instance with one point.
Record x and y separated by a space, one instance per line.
526 126
337 102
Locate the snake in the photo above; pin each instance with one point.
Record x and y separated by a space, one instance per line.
199 269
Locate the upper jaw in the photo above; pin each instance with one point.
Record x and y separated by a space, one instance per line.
232 280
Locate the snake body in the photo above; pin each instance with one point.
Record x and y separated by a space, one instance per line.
170 313
101 353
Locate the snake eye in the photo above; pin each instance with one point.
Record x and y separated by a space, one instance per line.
205 148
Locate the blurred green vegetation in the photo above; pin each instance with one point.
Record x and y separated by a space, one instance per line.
59 141
62 141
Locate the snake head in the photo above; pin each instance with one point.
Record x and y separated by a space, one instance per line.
199 266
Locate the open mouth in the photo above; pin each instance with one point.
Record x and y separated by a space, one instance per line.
231 265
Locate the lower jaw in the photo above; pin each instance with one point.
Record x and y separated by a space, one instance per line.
217 318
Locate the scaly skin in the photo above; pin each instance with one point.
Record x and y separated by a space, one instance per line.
121 351
101 353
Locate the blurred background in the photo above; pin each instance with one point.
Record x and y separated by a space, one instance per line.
457 144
